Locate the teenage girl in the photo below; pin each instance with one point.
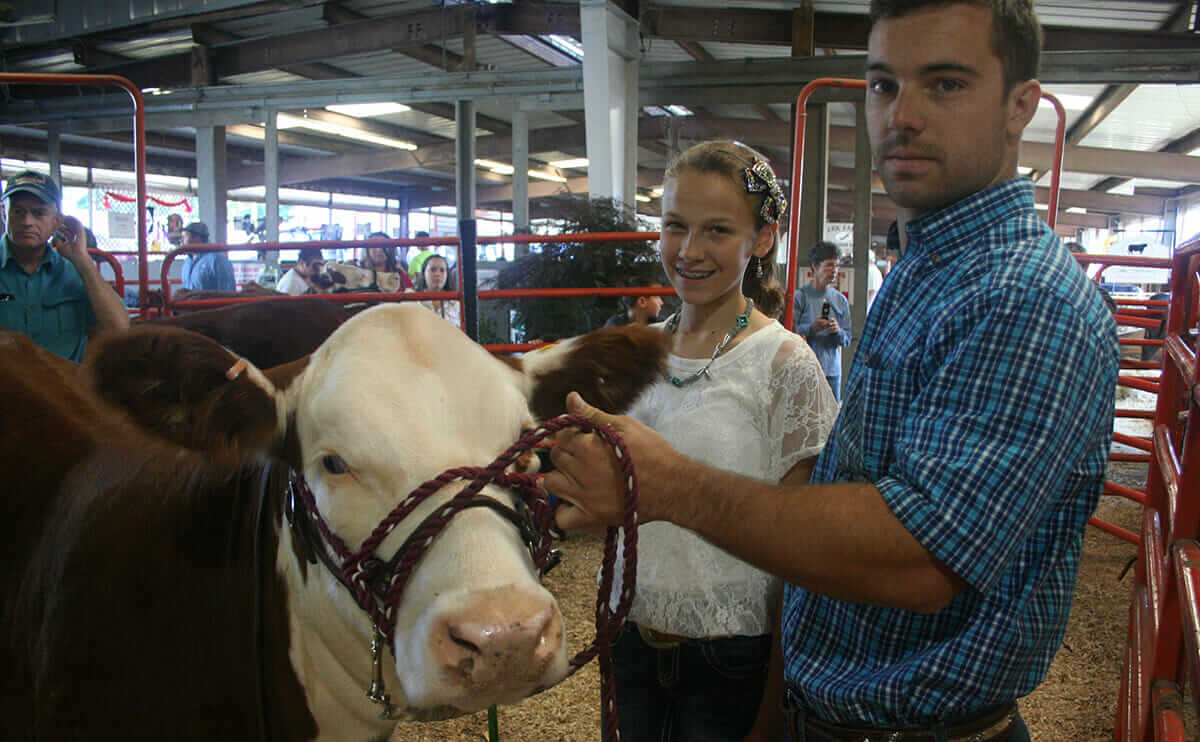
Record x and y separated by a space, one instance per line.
433 277
743 394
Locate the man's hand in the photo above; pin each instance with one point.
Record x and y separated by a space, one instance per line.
589 477
74 250
832 325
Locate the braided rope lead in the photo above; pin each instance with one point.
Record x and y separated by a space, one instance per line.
361 569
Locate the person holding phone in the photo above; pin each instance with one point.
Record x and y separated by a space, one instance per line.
50 288
823 314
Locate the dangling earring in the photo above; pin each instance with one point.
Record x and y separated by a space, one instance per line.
758 271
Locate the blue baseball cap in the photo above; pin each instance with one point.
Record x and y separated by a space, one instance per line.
41 187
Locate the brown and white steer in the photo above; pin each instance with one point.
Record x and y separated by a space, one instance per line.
346 277
267 333
132 608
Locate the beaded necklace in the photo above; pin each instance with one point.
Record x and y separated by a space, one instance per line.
741 323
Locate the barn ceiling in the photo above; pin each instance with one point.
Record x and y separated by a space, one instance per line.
1128 72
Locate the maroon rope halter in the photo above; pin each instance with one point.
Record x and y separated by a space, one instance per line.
378 586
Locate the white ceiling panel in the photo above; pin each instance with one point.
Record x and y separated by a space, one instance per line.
1149 118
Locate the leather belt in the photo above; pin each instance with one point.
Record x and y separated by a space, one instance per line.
659 639
990 725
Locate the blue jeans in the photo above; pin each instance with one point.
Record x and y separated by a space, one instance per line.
835 383
698 691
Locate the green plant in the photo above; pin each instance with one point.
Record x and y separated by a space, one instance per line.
578 265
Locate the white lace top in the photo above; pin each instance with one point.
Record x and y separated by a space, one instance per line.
765 406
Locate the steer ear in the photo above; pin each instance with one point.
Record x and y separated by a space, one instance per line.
188 389
608 367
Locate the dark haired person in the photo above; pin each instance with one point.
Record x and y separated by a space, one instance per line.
822 314
50 288
206 271
298 280
382 259
638 309
932 559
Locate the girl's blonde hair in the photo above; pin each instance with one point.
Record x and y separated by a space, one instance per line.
732 159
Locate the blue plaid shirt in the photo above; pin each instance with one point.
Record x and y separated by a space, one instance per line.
980 404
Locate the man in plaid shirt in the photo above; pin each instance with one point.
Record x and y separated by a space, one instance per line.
932 560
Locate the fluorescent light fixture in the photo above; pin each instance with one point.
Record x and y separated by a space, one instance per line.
1024 170
1076 210
496 167
565 44
1041 207
656 111
287 121
1068 101
656 192
680 110
576 162
643 199
366 110
547 176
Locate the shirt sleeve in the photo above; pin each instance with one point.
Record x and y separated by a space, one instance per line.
991 439
843 319
223 274
803 315
803 408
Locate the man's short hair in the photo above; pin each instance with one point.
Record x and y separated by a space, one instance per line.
822 251
309 254
639 282
42 187
422 233
199 230
378 236
1016 33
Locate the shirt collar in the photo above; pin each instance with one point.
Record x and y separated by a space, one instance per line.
952 228
6 255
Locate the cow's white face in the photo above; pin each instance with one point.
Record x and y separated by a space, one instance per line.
392 399
343 276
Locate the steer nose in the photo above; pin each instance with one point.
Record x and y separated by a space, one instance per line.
504 636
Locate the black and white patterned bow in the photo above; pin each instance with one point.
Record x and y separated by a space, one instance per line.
761 179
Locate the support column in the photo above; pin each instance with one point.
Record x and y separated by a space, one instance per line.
520 178
464 182
611 48
811 228
402 214
210 176
862 234
54 151
271 186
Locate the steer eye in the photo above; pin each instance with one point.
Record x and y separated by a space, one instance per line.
334 464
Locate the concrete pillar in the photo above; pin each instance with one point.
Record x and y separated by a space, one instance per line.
464 181
210 175
520 176
54 151
611 48
812 206
862 234
271 175
271 184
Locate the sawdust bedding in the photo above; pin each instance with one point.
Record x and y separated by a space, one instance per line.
1076 703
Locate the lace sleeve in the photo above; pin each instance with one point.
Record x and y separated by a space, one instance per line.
802 406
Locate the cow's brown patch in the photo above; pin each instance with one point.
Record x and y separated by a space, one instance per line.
129 576
608 367
267 333
174 384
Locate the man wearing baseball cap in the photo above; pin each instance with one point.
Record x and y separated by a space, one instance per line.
206 271
50 288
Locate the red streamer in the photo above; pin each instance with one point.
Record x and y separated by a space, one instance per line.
130 199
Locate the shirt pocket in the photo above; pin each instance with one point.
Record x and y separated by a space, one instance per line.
886 392
65 315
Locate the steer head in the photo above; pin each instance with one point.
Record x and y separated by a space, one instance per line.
393 398
346 277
